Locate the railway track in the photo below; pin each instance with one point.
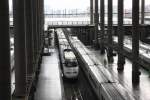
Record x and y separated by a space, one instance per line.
79 89
77 95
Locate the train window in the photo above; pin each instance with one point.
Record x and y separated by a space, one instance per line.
71 63
74 63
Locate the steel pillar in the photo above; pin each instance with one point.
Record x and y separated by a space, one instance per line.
34 26
33 33
135 41
121 58
91 11
5 79
96 22
36 34
43 17
110 50
38 27
90 36
20 48
41 23
81 34
102 14
142 11
29 37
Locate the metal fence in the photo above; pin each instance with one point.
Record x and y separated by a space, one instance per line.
68 23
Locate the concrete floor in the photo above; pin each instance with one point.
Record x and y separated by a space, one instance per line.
50 85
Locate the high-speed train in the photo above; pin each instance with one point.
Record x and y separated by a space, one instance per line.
68 60
103 83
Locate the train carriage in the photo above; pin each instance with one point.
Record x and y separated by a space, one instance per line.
68 60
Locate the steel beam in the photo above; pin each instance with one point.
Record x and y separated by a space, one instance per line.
135 41
20 47
121 58
5 79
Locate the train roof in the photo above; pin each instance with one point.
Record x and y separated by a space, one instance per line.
60 34
63 42
64 47
68 54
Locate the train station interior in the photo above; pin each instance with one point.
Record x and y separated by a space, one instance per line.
74 50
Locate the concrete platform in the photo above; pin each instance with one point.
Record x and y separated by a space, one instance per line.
50 85
144 51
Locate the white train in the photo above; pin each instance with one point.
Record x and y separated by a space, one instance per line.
70 64
68 61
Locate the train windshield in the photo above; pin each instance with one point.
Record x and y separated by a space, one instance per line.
70 59
71 63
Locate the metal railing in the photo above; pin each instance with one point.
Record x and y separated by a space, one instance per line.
68 23
67 15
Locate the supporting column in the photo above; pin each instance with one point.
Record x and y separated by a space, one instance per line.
38 27
37 64
81 34
43 18
20 48
142 11
32 42
135 41
39 12
34 24
96 21
43 21
41 26
29 37
121 58
110 50
90 36
5 79
91 11
102 14
36 33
